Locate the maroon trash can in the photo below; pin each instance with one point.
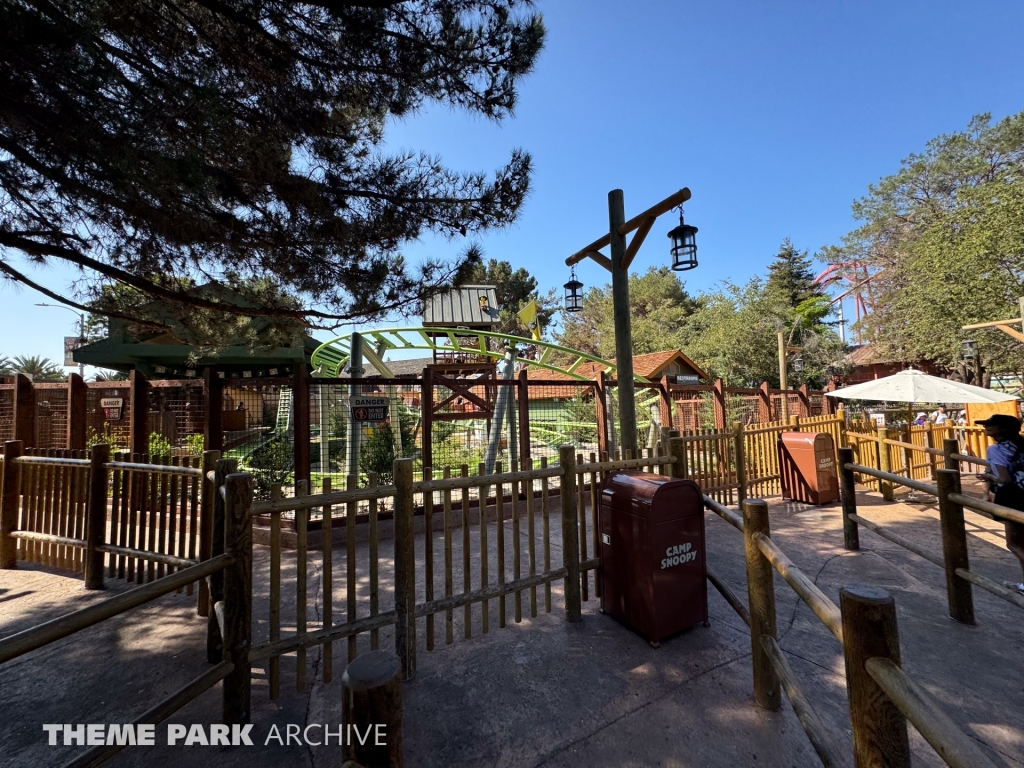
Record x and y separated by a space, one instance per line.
653 572
807 465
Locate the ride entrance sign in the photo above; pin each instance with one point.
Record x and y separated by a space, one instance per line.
366 408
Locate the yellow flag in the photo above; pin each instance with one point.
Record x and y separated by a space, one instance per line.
528 315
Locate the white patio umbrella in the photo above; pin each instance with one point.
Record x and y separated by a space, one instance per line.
913 386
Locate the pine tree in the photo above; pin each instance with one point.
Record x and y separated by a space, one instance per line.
791 275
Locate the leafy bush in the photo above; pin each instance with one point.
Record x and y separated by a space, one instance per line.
159 446
195 444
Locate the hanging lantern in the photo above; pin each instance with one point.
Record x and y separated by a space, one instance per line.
798 364
970 348
684 245
573 294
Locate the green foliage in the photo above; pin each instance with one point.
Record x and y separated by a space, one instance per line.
377 453
581 412
659 305
159 446
195 444
791 277
944 239
235 140
109 435
6 366
38 368
270 464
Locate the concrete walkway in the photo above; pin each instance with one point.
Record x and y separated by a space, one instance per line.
543 692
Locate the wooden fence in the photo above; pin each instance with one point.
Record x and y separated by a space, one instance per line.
882 696
104 516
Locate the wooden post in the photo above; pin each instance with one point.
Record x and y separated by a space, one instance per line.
783 379
96 516
665 404
238 596
885 486
24 411
214 646
138 397
765 402
523 390
841 415
601 410
929 441
427 418
869 631
761 591
950 446
719 393
371 699
405 567
622 320
677 450
848 493
740 457
208 488
794 423
9 504
954 547
213 409
805 400
570 534
77 398
300 402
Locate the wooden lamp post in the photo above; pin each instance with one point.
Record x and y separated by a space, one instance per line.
684 256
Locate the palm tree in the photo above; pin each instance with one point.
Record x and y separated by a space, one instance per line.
38 368
6 366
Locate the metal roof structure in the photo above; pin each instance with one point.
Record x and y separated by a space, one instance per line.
463 307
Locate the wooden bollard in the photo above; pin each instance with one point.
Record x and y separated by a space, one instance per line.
869 631
885 486
405 569
9 502
929 441
848 493
371 709
761 591
570 534
954 547
96 516
237 631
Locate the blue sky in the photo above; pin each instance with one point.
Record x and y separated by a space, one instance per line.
775 115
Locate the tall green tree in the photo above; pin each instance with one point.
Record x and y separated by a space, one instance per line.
944 240
659 305
38 368
791 275
515 289
150 142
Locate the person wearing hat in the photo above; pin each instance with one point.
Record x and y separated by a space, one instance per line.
922 417
1006 477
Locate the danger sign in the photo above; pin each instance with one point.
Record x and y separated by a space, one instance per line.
112 407
369 408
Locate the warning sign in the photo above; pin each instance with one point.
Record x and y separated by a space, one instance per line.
366 408
112 407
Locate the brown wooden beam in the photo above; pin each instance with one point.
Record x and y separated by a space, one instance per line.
1011 331
637 241
77 394
24 411
139 423
600 258
213 407
300 406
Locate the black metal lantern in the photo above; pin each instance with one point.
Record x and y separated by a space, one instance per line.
684 245
798 364
573 294
970 347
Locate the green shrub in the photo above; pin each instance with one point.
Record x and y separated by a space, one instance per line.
159 447
195 444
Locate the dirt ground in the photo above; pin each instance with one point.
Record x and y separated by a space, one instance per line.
542 692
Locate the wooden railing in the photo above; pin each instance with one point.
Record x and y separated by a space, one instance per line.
230 567
953 559
882 696
105 516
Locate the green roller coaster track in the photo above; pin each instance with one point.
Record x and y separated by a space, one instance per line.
331 356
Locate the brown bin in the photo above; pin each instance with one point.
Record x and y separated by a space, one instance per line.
653 570
807 465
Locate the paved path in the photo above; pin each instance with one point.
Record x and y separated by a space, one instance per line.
542 692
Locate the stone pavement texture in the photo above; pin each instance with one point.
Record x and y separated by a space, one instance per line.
543 692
